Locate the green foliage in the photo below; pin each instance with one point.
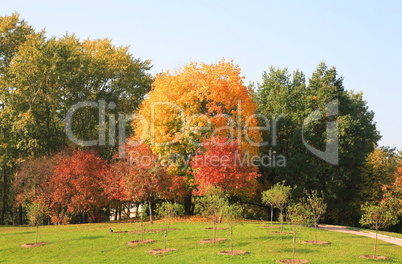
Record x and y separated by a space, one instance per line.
282 93
37 211
214 204
233 214
278 196
316 206
377 216
298 214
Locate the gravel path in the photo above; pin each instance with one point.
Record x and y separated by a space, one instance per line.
389 239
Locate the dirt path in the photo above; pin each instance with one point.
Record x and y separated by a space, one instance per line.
389 239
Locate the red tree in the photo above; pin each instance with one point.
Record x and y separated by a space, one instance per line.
77 186
146 179
222 164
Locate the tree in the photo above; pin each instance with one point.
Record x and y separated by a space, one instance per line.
191 104
233 213
37 211
76 189
393 192
168 211
289 100
218 165
298 215
41 79
316 206
145 179
213 203
278 196
14 32
377 217
378 170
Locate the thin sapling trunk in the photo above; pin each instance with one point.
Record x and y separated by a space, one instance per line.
37 229
375 243
151 220
294 246
272 213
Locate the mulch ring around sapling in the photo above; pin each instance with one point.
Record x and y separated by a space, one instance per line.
139 242
270 227
376 257
233 252
318 242
218 228
31 245
211 240
293 261
161 251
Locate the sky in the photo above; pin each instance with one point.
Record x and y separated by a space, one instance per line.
361 38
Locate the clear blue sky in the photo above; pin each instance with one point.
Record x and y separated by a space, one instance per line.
362 39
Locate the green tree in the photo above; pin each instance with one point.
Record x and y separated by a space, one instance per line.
316 206
213 204
37 211
233 214
298 214
288 99
169 210
278 196
42 78
377 217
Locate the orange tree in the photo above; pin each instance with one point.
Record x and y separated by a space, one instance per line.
188 106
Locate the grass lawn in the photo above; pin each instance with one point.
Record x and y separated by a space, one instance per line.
93 243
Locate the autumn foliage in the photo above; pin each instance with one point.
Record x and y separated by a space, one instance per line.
77 186
222 164
192 104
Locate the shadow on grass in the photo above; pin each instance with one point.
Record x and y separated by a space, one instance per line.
27 232
298 250
91 237
240 244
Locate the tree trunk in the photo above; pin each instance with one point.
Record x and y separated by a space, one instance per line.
231 238
20 214
37 232
315 232
188 205
3 198
151 220
294 246
272 213
375 243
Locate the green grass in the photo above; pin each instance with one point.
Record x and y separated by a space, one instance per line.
93 243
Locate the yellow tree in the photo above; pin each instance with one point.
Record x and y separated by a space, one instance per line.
192 105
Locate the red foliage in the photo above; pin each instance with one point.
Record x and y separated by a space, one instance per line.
77 185
145 178
222 165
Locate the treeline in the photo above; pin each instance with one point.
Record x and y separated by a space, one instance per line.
197 128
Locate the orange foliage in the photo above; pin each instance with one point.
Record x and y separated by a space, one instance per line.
192 104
